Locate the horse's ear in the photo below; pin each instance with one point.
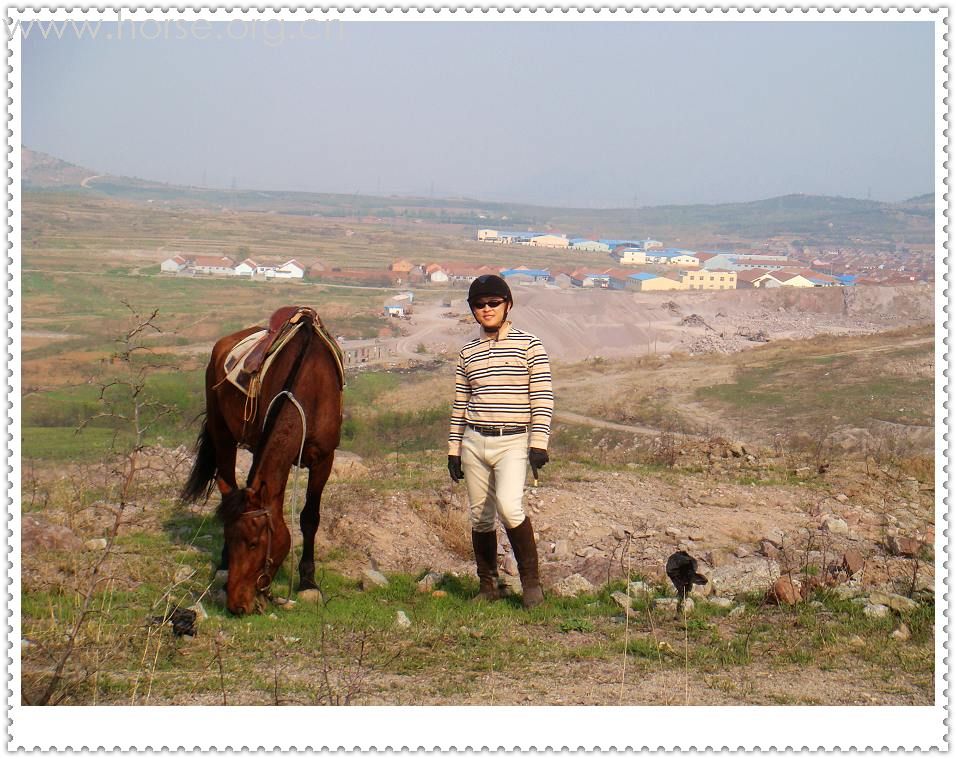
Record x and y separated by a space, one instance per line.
223 486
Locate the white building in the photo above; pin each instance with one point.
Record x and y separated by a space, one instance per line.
173 265
291 269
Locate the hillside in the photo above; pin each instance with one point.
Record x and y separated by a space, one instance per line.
807 219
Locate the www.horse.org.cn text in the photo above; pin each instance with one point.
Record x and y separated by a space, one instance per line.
270 32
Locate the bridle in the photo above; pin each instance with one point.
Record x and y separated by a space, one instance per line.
265 574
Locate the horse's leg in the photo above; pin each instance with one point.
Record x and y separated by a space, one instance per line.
309 519
225 463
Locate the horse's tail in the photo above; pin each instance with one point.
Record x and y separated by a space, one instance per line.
199 484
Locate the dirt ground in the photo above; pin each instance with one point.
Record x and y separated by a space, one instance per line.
579 324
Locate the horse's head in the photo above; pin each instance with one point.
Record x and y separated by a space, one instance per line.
257 542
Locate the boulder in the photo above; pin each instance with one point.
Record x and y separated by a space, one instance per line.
784 591
671 604
95 544
621 599
893 601
571 586
37 533
310 595
876 611
900 546
720 603
852 561
428 583
834 525
901 633
372 578
402 620
750 575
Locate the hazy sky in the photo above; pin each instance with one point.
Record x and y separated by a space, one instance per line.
590 114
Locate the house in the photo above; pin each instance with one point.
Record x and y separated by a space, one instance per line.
632 255
522 273
488 235
596 246
396 310
173 265
673 257
245 268
704 279
549 241
291 269
648 282
436 273
756 278
217 265
401 266
792 279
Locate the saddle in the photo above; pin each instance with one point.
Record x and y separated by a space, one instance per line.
250 359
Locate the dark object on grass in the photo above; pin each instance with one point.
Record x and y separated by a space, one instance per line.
182 620
682 569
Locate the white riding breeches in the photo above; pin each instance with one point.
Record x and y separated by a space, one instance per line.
495 470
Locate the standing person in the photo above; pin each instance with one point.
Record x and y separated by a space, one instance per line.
500 422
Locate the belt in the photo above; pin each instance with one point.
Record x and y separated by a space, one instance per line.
498 431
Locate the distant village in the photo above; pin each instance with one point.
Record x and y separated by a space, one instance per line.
643 265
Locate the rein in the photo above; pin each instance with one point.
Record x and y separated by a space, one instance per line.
268 424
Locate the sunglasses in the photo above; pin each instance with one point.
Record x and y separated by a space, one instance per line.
487 304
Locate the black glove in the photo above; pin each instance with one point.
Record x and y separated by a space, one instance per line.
537 457
454 468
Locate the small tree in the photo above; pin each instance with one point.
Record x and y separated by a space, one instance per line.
126 404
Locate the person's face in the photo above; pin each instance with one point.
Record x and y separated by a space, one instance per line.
490 311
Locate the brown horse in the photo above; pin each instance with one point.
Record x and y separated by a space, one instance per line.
256 539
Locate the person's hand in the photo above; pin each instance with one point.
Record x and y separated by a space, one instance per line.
537 457
454 468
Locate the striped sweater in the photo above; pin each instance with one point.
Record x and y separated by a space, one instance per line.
502 381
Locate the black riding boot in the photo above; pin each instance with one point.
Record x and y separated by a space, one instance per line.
486 559
526 555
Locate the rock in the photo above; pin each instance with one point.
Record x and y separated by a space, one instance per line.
439 594
857 642
619 533
38 534
846 592
737 611
720 603
638 588
834 525
784 591
222 576
98 544
718 558
571 586
737 450
372 578
742 552
562 549
903 546
200 611
673 532
599 569
769 549
310 595
509 566
853 561
671 603
895 602
841 497
428 582
621 599
183 573
774 537
402 620
901 633
749 575
876 611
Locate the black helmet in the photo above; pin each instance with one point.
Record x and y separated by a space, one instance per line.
489 284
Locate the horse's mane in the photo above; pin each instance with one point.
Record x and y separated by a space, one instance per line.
232 506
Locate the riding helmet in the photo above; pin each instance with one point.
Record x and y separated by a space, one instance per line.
489 284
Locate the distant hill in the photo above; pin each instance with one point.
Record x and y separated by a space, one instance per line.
807 219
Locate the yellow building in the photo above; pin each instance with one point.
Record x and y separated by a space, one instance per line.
647 282
705 279
550 241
